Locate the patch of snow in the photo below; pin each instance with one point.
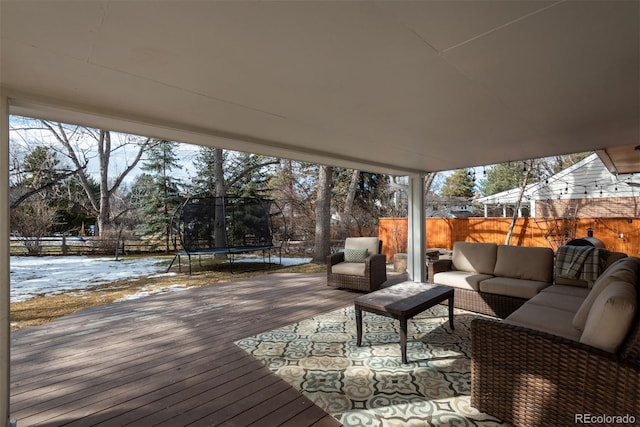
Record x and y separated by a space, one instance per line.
36 276
52 275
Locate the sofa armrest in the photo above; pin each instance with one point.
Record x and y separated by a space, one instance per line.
532 378
438 266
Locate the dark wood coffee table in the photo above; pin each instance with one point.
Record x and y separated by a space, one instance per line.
402 301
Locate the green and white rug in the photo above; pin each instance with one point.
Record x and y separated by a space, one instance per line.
369 385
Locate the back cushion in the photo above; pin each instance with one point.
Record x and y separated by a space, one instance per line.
475 257
623 270
611 316
369 243
525 262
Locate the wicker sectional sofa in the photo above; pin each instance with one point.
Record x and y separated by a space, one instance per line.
493 279
568 355
566 351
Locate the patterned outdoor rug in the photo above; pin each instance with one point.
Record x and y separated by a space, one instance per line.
369 385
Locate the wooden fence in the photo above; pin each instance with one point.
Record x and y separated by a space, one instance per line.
617 234
87 246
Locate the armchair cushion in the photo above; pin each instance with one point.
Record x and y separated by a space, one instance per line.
369 243
355 254
350 268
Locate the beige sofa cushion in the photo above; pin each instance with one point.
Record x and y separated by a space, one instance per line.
370 243
475 257
573 291
623 270
518 288
611 316
460 279
563 302
350 268
546 319
524 262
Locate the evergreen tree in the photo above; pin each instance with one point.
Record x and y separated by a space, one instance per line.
243 174
502 177
159 191
204 182
460 183
248 175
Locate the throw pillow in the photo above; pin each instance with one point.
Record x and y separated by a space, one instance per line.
355 255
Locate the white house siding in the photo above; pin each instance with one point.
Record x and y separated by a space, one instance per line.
586 189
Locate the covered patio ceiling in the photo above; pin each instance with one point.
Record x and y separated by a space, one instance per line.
398 87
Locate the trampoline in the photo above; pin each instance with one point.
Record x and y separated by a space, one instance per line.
227 226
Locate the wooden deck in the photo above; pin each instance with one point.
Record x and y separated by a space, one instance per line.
169 359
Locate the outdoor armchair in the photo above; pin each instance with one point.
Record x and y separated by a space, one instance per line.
360 266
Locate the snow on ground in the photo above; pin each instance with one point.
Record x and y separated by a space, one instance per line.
36 276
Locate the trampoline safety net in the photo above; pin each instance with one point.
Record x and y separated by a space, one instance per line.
227 225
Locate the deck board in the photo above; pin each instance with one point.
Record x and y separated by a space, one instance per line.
169 359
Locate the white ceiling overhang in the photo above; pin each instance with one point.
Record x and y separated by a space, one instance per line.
390 86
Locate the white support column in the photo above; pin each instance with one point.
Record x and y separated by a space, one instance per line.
5 325
416 261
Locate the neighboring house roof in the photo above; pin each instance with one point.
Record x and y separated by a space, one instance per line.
588 178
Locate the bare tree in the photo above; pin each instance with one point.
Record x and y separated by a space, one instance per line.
71 137
523 186
31 221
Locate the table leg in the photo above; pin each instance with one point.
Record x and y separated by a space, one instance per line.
359 326
403 339
451 311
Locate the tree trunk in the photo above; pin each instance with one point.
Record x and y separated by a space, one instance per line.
516 208
104 211
292 200
220 235
428 181
323 216
345 218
